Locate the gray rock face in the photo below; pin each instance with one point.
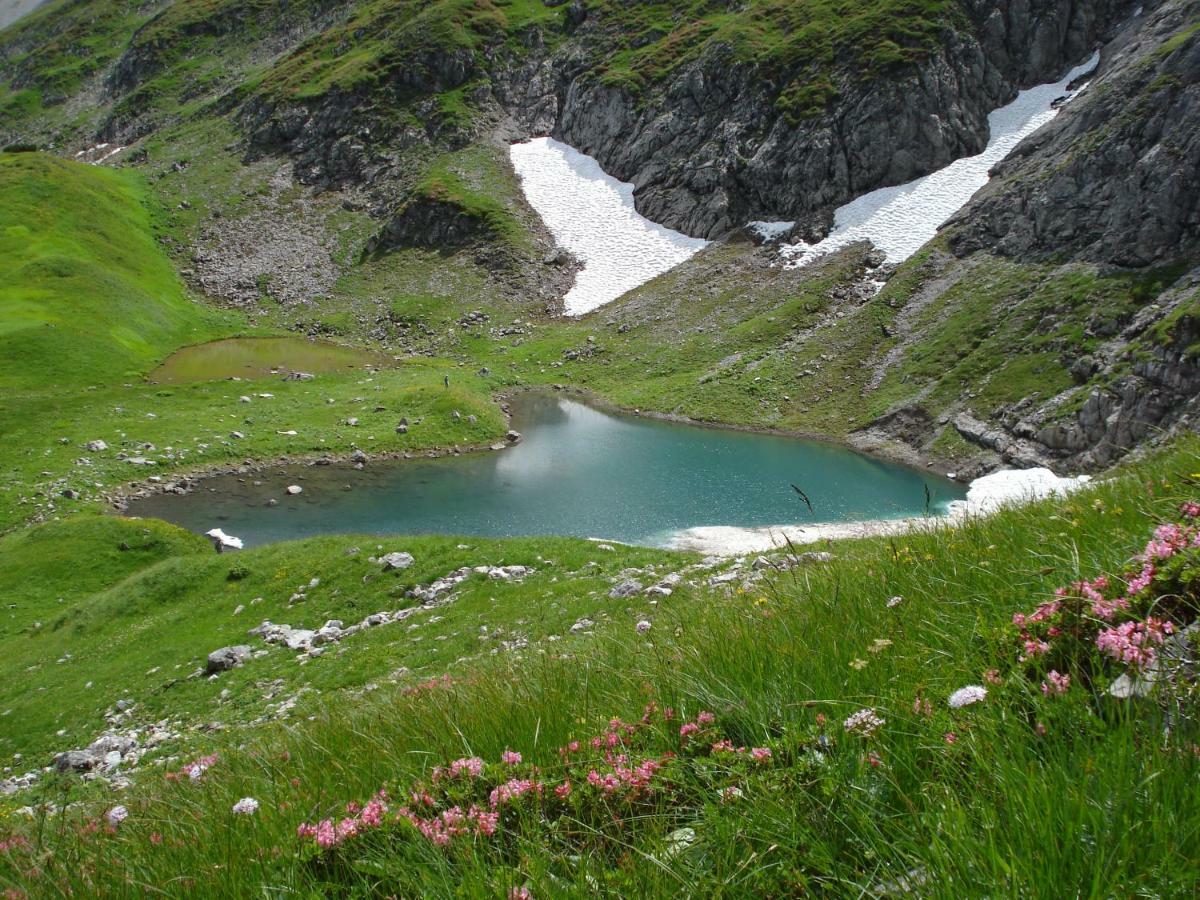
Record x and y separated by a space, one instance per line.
433 224
227 658
709 148
1132 196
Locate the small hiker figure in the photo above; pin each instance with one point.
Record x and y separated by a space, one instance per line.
446 380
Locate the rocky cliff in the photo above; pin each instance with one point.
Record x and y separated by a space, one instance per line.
716 141
1100 213
1115 179
710 148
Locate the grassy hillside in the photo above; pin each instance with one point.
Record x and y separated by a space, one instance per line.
90 303
1044 787
155 601
86 296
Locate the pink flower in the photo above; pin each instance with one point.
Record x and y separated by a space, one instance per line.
373 813
325 834
705 718
689 728
471 767
485 822
760 754
1141 581
1190 510
1132 642
950 737
510 758
563 791
511 790
520 893
992 676
1056 683
1034 648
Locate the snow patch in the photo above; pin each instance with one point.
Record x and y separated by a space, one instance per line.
592 214
770 231
900 220
222 540
1009 487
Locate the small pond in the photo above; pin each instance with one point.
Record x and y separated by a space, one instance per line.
579 471
258 357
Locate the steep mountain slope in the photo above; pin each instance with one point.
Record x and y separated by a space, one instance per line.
85 295
1082 253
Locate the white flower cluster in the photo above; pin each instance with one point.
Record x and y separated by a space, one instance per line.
247 806
965 696
864 722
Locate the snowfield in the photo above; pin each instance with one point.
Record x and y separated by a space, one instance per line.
900 220
592 215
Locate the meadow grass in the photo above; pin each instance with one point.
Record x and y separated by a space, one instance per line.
1021 794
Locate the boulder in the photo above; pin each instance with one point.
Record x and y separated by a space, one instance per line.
396 561
76 761
626 589
226 658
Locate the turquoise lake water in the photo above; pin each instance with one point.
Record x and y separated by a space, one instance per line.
580 472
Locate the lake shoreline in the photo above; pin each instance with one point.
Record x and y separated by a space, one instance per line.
186 480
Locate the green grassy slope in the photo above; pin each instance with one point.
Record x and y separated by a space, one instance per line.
154 601
86 297
1026 793
90 303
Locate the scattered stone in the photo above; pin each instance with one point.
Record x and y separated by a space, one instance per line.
626 589
396 561
226 658
294 489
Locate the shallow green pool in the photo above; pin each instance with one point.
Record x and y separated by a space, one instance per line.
257 357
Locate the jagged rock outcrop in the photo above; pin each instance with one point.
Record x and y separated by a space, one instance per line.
710 146
433 224
1115 179
710 149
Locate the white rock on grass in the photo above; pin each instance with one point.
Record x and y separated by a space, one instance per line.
396 561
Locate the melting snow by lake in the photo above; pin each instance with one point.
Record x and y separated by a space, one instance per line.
592 214
899 220
986 495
